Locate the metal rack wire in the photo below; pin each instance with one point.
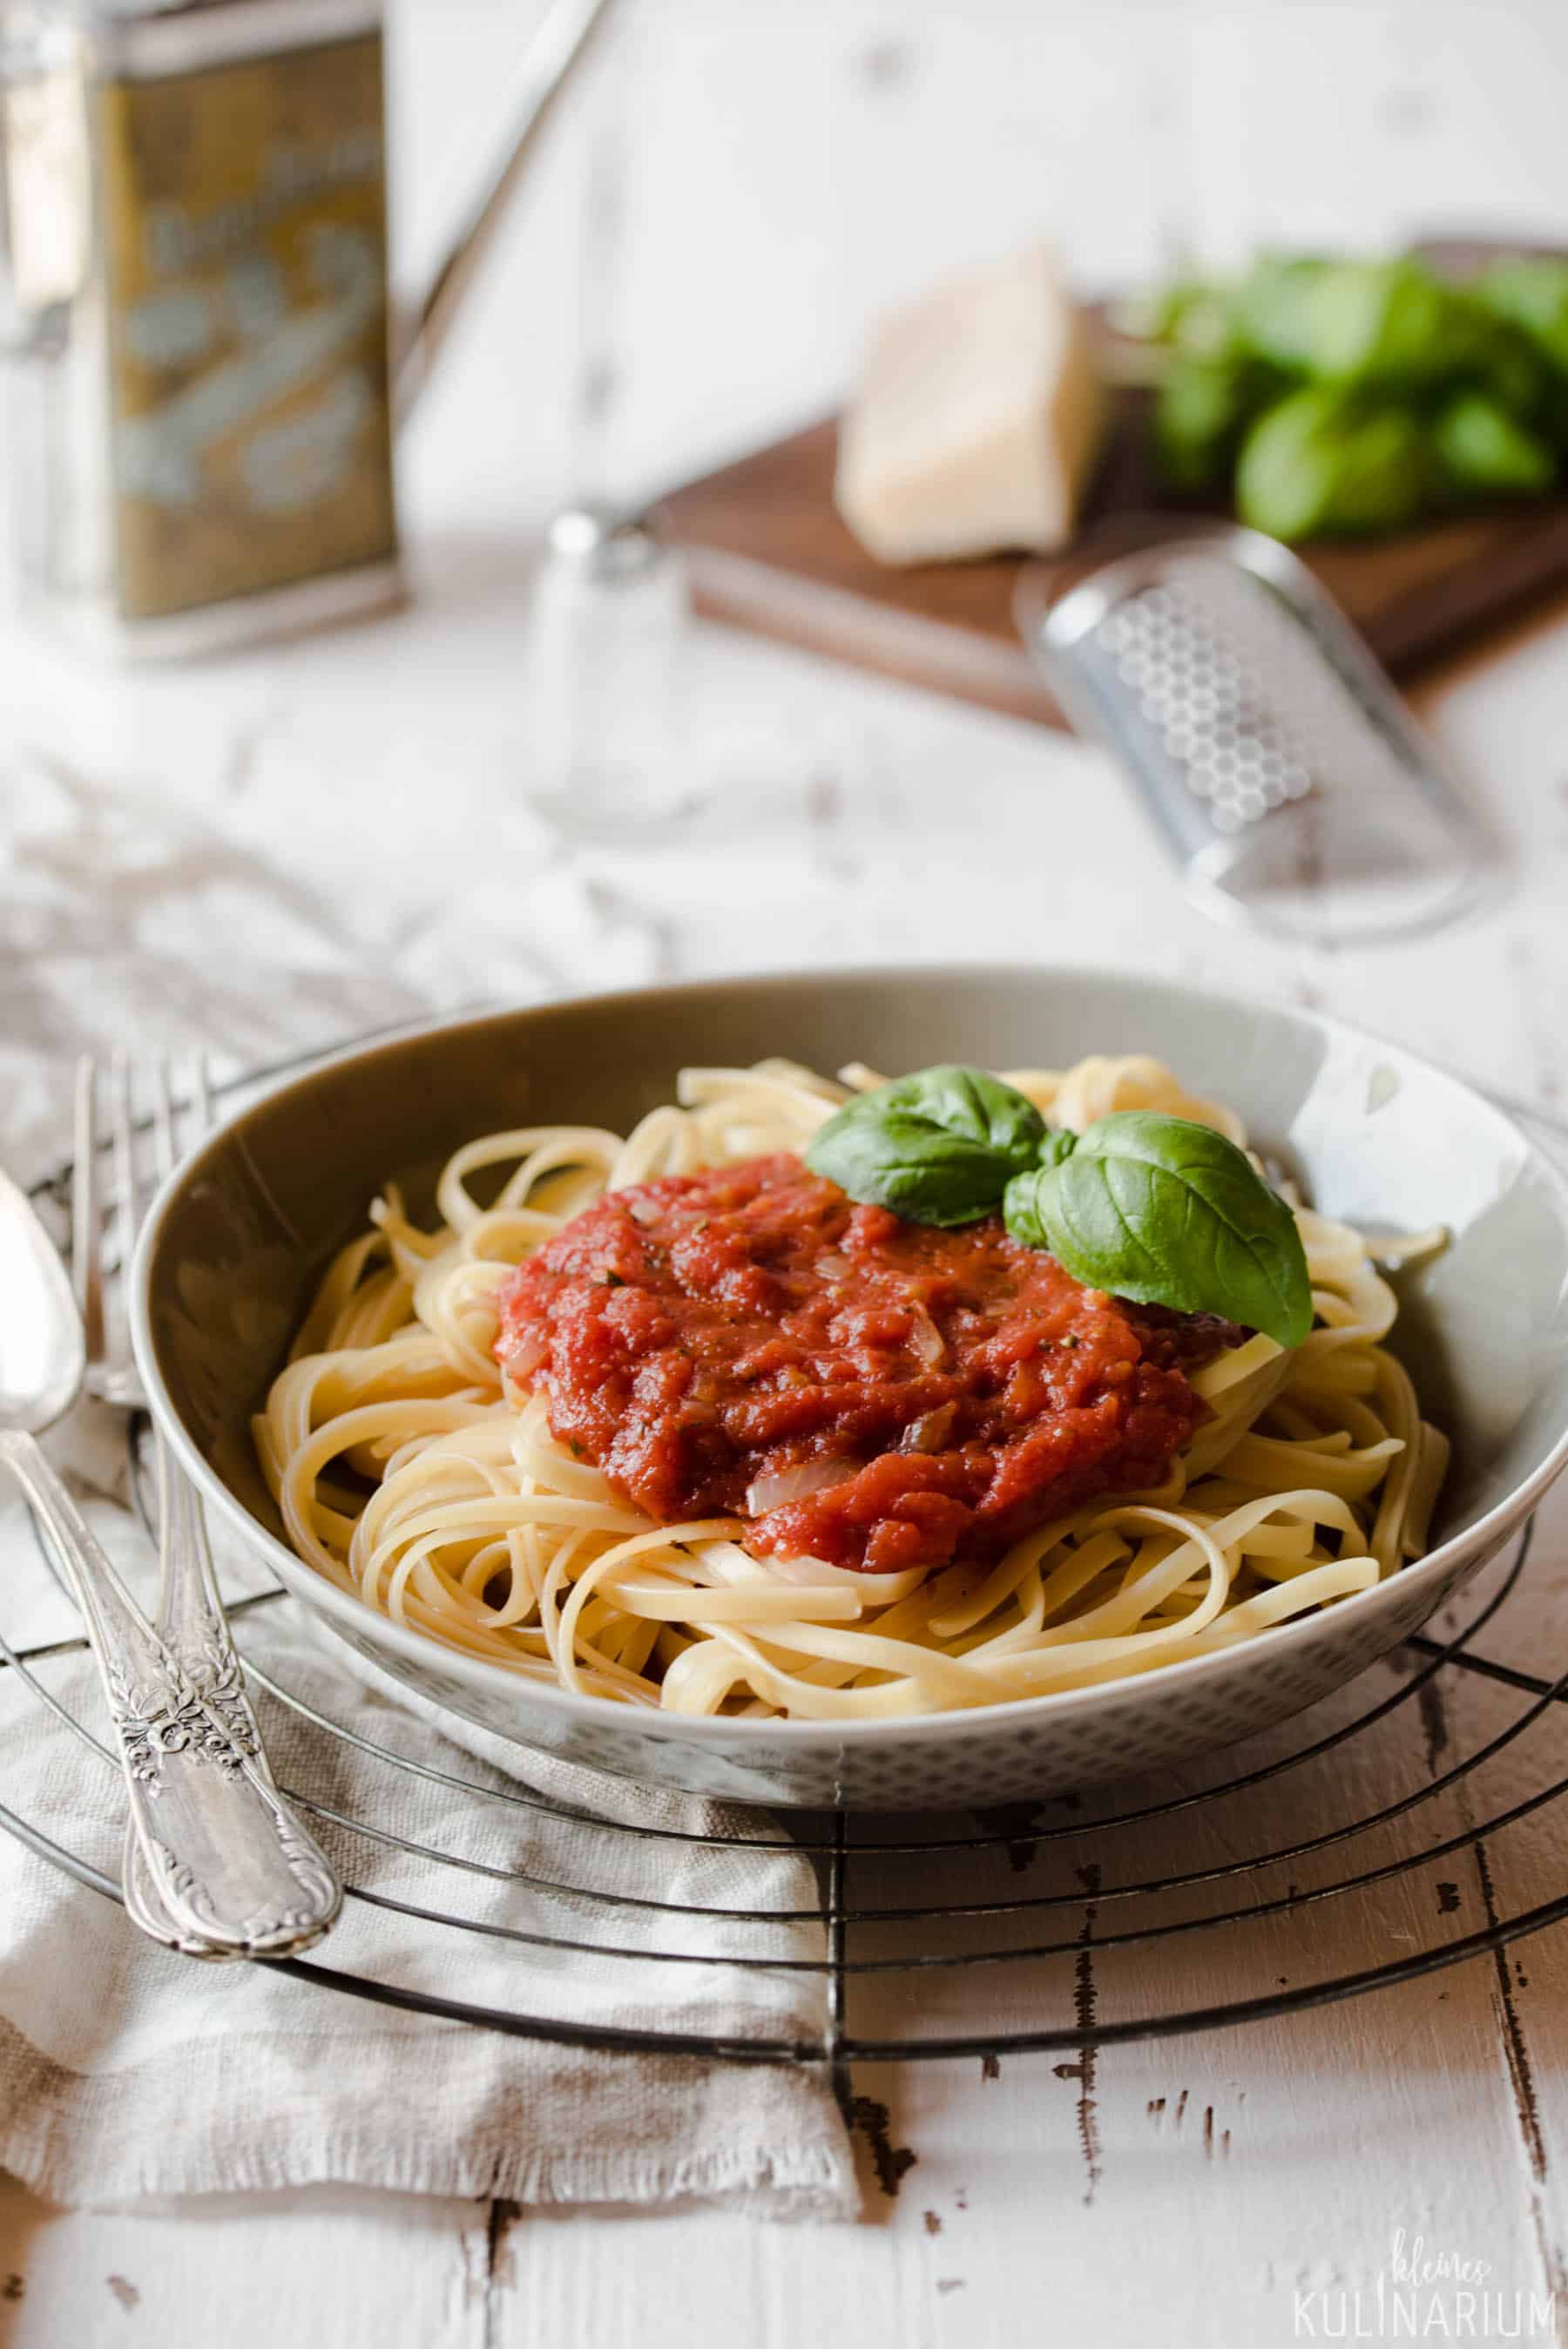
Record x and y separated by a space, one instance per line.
928 1938
977 1923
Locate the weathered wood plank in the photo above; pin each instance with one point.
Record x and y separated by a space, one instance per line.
330 2267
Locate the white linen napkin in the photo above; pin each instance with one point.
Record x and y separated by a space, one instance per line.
200 919
125 2070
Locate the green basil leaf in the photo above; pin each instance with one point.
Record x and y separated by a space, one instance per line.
1272 309
1019 1211
1530 291
1203 407
1485 452
1328 463
1166 1212
1371 324
938 1147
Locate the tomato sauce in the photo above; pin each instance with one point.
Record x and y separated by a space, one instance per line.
867 1391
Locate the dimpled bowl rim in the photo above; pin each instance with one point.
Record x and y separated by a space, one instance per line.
707 1731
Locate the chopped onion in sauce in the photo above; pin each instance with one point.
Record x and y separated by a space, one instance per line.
931 1431
925 1338
785 1484
529 1355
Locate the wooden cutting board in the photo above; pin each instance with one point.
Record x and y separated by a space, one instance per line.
768 552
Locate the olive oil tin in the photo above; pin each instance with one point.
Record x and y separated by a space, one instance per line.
213 419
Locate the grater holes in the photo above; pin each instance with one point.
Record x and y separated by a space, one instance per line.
1207 703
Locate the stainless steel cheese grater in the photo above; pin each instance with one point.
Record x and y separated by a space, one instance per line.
1293 786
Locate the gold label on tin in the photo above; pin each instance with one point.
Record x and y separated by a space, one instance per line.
245 249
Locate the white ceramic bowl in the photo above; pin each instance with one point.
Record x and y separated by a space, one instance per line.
237 1239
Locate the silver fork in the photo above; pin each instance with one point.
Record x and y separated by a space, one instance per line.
259 1886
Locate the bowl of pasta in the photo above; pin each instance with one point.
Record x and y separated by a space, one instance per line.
877 1388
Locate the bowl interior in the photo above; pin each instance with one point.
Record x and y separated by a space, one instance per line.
1374 1134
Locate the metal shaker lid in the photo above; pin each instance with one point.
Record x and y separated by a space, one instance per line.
607 543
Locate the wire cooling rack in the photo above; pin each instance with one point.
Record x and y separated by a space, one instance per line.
1377 1839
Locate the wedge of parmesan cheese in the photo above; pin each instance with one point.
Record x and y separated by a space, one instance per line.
977 420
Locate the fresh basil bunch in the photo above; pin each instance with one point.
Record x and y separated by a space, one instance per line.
1347 395
1157 1209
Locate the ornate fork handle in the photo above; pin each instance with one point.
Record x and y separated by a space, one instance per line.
195 1629
235 1867
191 1620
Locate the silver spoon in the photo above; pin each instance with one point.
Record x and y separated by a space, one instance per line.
233 1864
43 1351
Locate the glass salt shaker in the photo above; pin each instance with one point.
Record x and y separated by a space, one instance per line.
604 673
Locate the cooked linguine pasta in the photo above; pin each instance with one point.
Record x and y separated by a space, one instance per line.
408 1475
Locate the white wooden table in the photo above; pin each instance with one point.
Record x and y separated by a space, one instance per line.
349 819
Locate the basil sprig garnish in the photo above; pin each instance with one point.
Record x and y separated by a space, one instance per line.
1157 1209
1168 1212
939 1147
